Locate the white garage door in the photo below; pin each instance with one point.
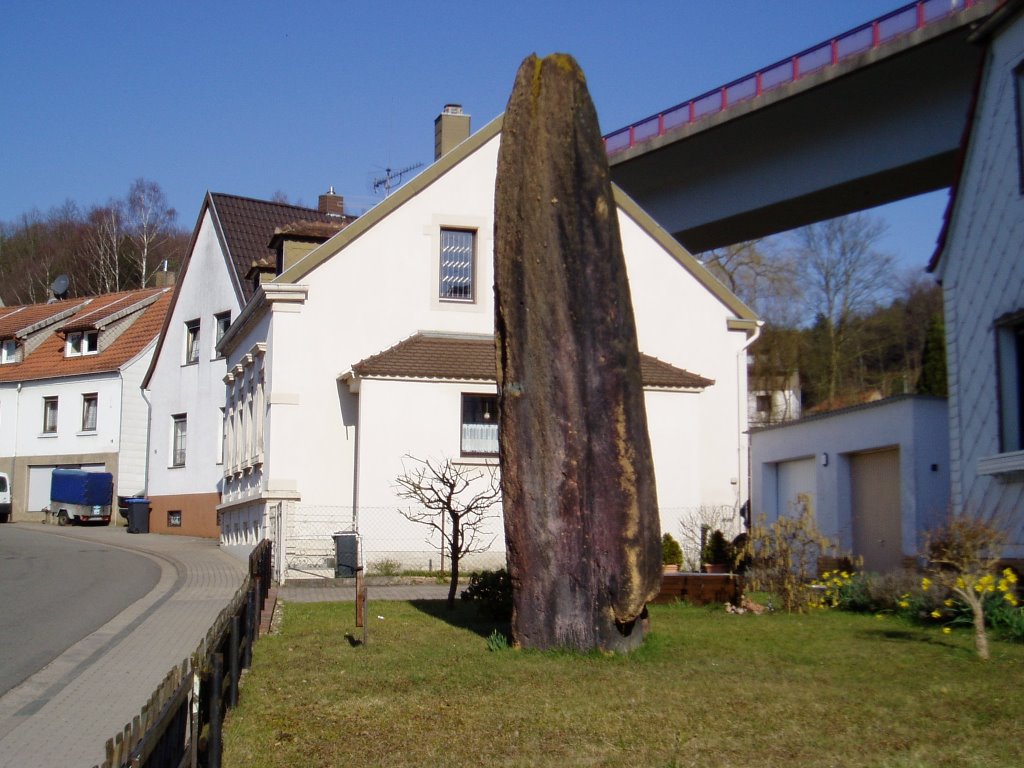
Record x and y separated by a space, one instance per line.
39 482
797 488
39 487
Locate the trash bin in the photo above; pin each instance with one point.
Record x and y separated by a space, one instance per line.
138 515
346 554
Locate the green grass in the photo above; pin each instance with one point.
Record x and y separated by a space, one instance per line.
706 689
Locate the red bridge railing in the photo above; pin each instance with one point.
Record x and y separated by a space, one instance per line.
873 34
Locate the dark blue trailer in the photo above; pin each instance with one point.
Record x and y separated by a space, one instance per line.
80 496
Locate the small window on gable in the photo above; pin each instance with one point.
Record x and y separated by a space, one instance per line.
179 434
191 342
479 425
82 343
8 351
1010 359
222 321
458 249
174 518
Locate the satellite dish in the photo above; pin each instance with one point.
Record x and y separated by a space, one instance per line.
60 287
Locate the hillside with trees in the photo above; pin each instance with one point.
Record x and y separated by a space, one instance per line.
837 313
112 247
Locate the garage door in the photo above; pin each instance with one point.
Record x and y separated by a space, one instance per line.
875 507
39 487
796 487
39 482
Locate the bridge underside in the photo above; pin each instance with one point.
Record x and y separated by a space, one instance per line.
874 130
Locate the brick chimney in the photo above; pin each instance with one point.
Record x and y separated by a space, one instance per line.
163 278
332 204
451 128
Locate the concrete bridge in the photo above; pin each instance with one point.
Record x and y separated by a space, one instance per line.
870 117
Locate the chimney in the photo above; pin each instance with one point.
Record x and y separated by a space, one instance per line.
451 128
163 278
332 204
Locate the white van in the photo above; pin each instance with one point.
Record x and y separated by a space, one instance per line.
5 498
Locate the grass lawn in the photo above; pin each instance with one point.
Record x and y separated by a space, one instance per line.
707 689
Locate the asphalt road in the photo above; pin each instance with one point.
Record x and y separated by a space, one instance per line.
54 591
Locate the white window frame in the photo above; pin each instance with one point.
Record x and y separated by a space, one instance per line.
51 406
80 343
87 398
454 284
179 439
221 323
8 351
478 436
192 336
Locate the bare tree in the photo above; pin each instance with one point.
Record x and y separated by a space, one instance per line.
451 501
105 247
844 274
761 274
149 223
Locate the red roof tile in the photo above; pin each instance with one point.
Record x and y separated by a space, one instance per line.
47 361
472 358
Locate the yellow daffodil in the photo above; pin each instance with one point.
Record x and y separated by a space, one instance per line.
936 614
946 630
948 602
903 604
925 583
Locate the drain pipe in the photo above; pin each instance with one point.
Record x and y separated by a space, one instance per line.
742 400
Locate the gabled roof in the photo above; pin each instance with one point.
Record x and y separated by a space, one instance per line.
18 322
472 357
745 317
245 227
47 361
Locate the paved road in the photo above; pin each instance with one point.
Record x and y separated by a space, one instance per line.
54 591
63 714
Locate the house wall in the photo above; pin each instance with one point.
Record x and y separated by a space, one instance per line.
330 449
917 426
134 439
982 274
23 443
197 390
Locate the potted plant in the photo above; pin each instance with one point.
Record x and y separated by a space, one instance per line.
717 554
671 554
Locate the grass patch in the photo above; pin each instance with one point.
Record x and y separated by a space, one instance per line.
706 689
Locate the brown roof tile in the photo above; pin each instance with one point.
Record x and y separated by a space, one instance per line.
48 360
15 321
472 358
248 226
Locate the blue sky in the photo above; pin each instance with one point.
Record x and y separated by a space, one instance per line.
253 98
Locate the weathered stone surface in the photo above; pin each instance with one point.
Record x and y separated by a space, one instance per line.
580 507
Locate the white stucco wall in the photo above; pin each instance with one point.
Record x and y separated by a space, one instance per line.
197 389
333 449
915 425
982 273
131 460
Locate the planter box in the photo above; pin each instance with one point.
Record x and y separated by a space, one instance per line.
700 588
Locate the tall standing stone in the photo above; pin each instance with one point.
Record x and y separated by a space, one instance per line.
581 514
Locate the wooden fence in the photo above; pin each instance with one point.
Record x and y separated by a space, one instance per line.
180 726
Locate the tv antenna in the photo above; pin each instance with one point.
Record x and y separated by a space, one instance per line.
392 178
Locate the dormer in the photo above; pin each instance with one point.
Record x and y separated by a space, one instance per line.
293 241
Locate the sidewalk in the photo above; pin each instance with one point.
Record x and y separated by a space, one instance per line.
63 715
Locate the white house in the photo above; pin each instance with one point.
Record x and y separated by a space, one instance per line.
875 476
368 349
980 263
69 391
228 255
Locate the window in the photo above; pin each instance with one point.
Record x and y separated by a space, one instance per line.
178 435
82 343
191 342
174 518
1010 352
90 405
222 321
479 425
49 415
457 255
764 404
8 351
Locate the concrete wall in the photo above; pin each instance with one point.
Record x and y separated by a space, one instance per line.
982 273
917 426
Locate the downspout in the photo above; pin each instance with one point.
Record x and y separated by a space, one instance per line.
14 459
742 405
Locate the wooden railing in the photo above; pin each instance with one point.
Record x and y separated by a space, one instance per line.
181 724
